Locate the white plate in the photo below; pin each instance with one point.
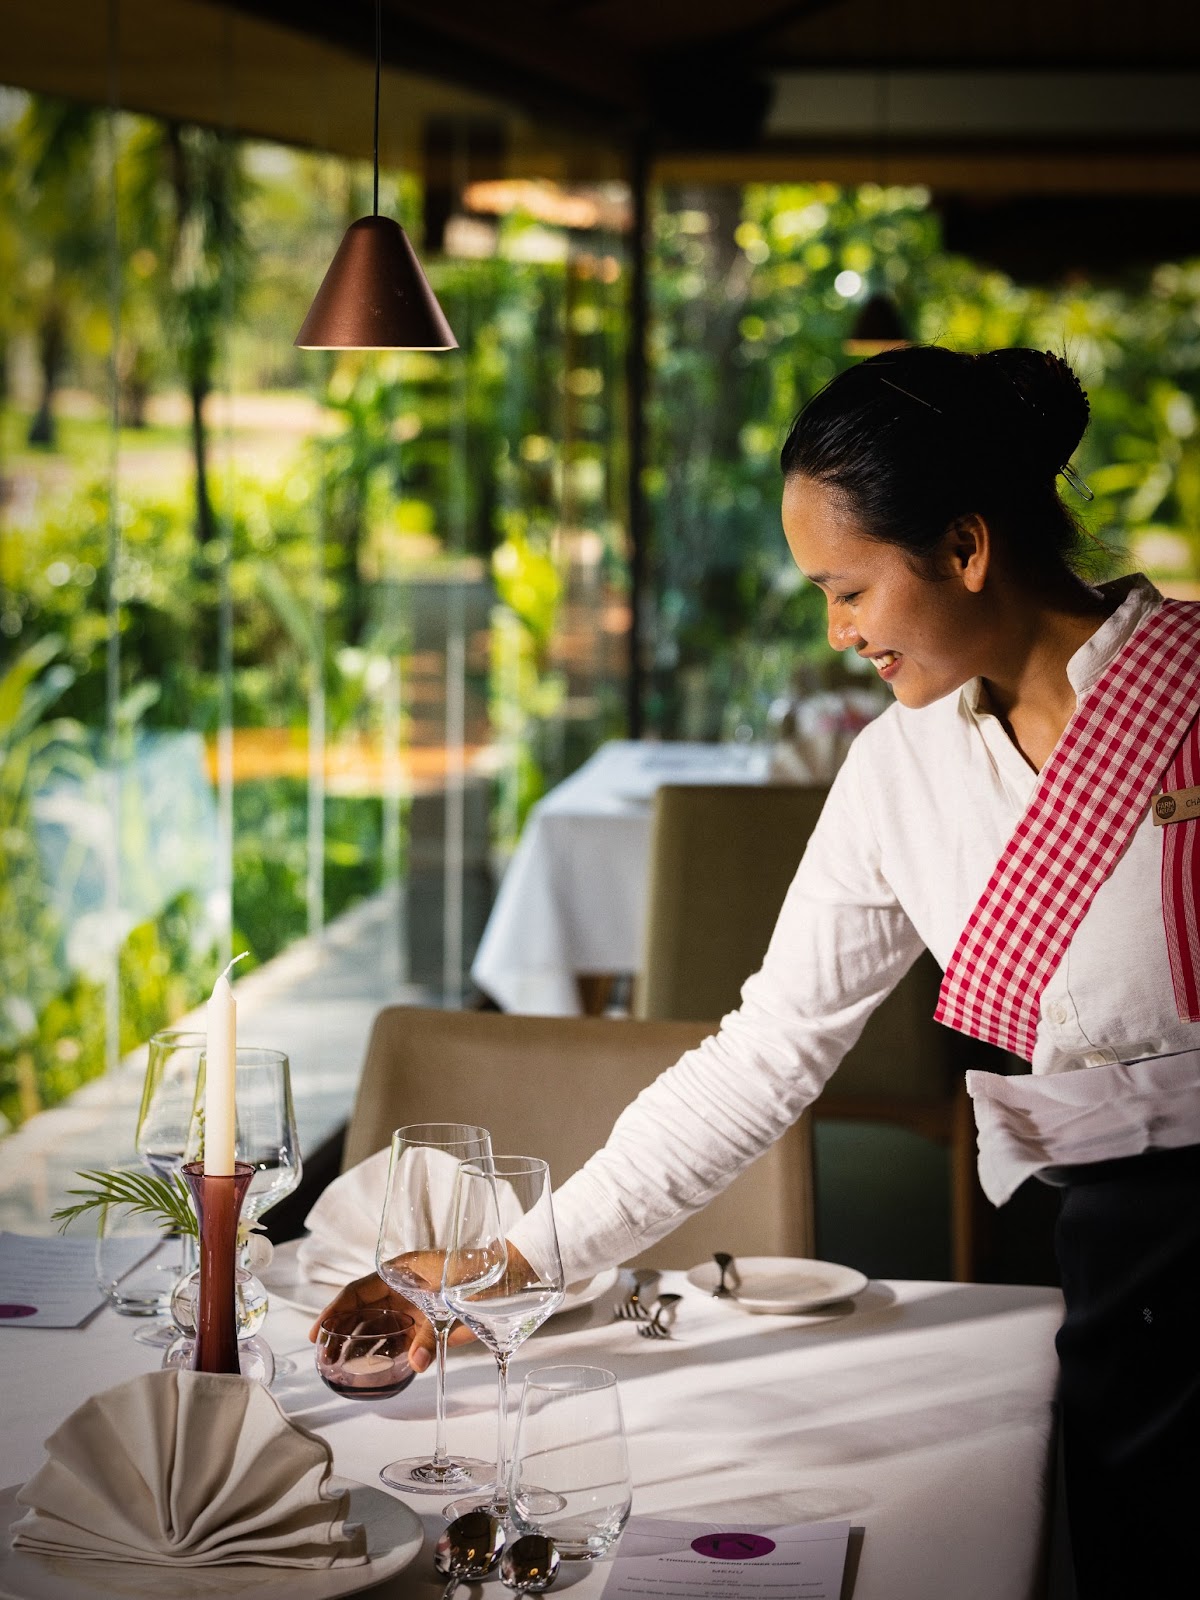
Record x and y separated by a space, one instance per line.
394 1538
781 1283
287 1283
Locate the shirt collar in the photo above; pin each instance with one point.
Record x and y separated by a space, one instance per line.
1137 599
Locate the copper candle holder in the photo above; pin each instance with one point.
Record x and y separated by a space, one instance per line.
218 1203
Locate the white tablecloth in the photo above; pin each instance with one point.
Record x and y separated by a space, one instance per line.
923 1417
574 896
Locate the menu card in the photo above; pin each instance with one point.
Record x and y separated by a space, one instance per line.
694 1560
51 1283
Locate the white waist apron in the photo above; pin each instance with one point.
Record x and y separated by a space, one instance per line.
1064 1119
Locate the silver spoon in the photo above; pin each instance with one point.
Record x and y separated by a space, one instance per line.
469 1548
724 1261
530 1564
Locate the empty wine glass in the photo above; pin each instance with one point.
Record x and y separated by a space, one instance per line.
265 1128
163 1123
415 1231
503 1276
265 1137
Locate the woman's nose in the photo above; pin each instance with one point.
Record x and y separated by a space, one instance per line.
843 634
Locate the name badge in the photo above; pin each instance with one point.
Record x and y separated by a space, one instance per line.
1178 805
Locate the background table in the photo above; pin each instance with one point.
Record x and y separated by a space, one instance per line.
573 898
923 1417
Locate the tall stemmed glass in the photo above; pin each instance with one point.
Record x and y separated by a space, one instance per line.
415 1232
265 1136
503 1277
161 1140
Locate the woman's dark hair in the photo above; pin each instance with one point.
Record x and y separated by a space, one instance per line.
916 438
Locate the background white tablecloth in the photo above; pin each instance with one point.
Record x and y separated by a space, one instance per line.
573 899
923 1417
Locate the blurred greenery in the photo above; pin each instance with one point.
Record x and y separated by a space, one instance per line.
295 534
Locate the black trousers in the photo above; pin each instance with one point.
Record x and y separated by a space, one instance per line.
1128 1242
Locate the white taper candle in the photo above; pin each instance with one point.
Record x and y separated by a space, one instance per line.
220 1102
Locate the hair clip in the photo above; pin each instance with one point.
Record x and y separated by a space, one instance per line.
910 396
1076 482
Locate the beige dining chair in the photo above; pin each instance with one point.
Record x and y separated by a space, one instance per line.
721 859
553 1087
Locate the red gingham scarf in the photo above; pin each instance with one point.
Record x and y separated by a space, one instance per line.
1090 797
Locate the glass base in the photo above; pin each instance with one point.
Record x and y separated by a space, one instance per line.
159 1334
495 1504
418 1475
255 1357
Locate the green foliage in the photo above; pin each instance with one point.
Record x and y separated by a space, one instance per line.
167 1200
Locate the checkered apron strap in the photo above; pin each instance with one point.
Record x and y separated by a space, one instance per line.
1089 798
1181 882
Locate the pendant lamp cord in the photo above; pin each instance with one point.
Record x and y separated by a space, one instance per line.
378 57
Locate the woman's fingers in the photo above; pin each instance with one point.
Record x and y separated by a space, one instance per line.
372 1294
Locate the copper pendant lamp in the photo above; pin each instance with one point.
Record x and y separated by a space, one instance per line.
375 295
877 327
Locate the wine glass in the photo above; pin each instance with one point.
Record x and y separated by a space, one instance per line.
163 1123
503 1277
265 1137
415 1232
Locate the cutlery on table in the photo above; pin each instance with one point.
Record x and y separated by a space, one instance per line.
724 1261
631 1308
469 1548
530 1564
659 1327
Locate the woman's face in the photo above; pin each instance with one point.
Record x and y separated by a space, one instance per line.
921 633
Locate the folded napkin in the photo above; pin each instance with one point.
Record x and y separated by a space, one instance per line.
344 1223
187 1469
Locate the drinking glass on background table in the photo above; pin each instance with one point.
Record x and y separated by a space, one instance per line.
569 1478
415 1232
163 1122
136 1275
503 1295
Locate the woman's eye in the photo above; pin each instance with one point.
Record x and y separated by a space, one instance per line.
848 599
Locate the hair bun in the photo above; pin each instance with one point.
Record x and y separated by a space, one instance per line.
1054 404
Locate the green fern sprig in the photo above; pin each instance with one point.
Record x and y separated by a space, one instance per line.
167 1199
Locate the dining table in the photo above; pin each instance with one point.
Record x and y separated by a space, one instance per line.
572 902
919 1412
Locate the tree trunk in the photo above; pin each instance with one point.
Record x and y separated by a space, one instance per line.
205 525
51 349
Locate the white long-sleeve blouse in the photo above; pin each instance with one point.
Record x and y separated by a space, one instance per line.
907 840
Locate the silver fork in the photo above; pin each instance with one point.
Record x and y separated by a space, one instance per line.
631 1308
657 1327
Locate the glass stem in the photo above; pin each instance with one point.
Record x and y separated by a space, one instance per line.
189 1258
441 1456
500 1498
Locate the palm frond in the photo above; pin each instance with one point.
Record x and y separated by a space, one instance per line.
166 1199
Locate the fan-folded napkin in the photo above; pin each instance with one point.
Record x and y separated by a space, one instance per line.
344 1223
188 1469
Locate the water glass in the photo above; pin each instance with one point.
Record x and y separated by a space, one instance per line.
570 1468
135 1273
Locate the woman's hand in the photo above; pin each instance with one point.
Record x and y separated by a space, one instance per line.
372 1294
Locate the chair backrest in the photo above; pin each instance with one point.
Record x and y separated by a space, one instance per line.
553 1087
722 858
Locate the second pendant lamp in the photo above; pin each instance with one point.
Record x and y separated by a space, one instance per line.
375 295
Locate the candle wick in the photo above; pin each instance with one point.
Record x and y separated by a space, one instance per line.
234 963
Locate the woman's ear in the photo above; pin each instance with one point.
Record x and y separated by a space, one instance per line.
967 551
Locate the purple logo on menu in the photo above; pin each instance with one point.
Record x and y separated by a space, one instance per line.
733 1546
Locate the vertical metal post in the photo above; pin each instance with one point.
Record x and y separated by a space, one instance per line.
113 742
635 402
